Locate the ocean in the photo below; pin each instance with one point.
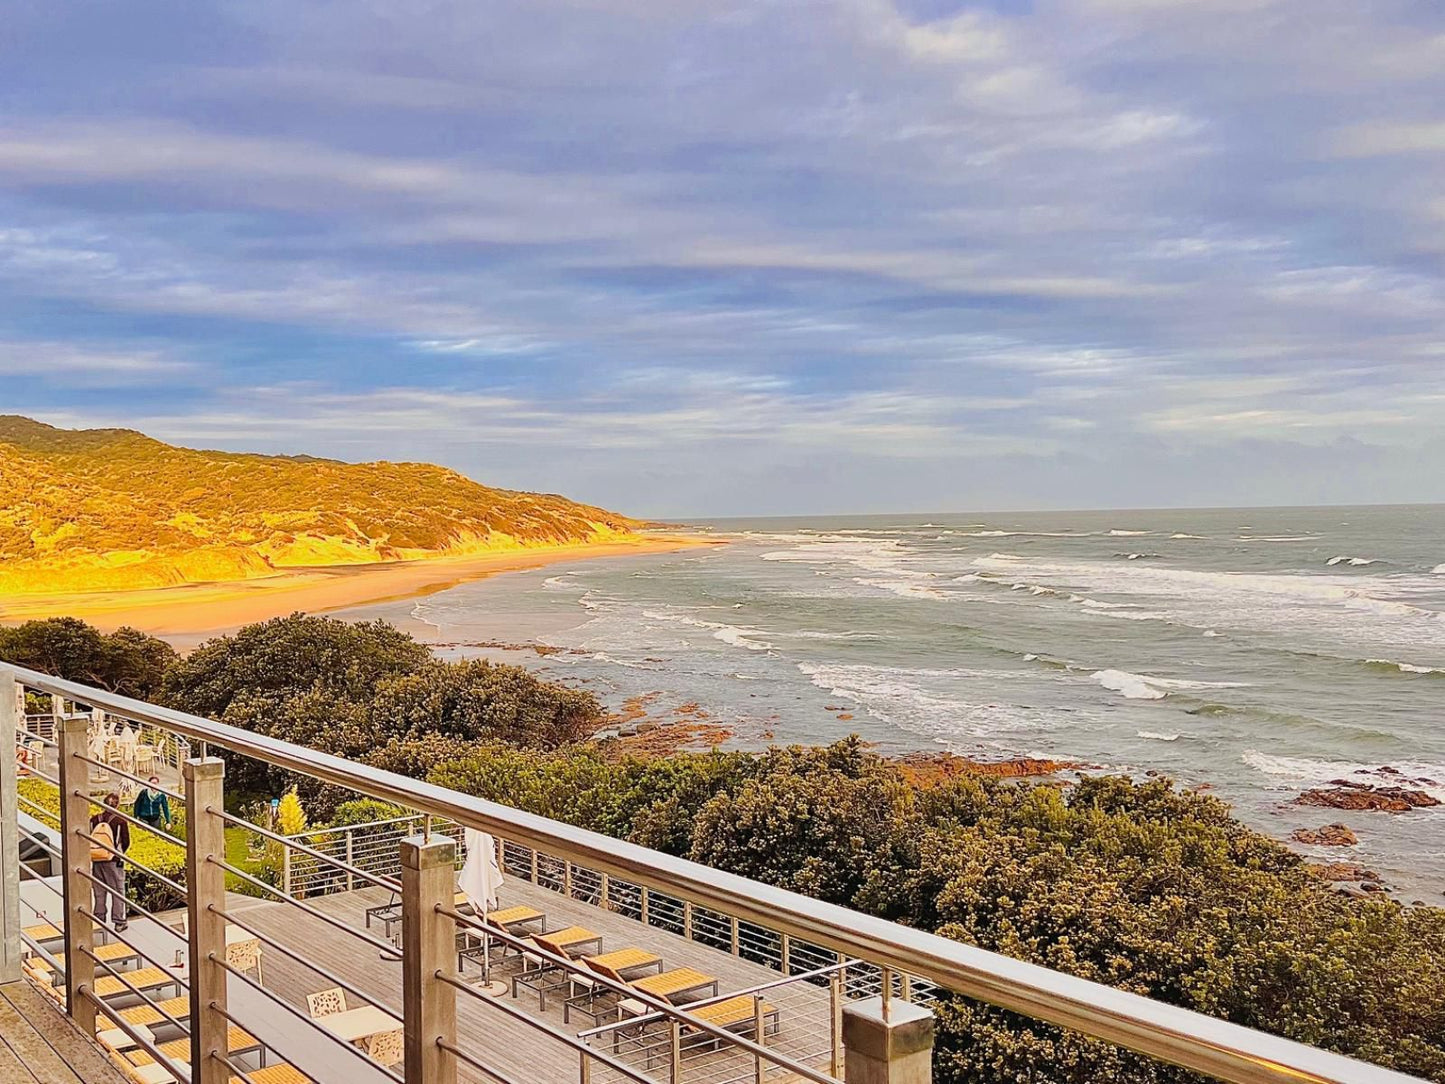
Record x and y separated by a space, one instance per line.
1256 651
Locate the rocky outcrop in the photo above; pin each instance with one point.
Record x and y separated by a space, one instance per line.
923 769
1345 794
1330 835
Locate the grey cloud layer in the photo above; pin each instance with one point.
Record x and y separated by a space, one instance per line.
823 254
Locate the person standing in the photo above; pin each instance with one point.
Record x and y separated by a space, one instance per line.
152 805
110 839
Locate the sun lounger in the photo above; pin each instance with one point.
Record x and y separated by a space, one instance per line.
43 932
275 1074
153 1015
595 1000
512 920
238 1041
541 974
146 978
111 954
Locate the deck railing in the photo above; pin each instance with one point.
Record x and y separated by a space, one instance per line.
808 941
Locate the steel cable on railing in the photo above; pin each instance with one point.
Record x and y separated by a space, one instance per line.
538 1025
174 886
385 947
180 1070
463 1056
112 770
231 1067
294 1011
329 976
655 1003
288 841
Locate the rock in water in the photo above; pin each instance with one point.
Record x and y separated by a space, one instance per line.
1331 835
1344 795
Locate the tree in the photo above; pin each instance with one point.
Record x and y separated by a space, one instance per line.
126 661
288 656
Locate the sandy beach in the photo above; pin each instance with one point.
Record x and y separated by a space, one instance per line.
186 614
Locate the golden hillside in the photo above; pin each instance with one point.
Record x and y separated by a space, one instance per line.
106 509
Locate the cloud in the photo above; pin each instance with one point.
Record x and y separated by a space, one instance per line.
616 248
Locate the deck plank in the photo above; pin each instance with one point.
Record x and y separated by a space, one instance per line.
522 1050
47 1043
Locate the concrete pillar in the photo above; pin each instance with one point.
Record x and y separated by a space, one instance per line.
206 904
890 1044
428 944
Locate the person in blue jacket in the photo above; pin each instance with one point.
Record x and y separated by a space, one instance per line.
152 806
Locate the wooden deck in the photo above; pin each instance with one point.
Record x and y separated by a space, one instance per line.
528 1049
39 1045
523 1050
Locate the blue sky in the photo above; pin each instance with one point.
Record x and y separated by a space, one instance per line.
745 257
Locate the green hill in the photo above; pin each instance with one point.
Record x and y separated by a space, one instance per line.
106 509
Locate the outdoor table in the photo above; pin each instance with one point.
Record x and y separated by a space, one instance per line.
355 1024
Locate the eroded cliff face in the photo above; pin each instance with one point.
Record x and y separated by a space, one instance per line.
107 509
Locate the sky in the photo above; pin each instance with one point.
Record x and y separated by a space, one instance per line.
744 256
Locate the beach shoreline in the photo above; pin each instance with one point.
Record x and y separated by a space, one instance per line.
186 614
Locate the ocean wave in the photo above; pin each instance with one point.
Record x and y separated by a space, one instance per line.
1402 667
1147 687
1116 533
559 583
1213 588
728 634
1291 773
903 589
1210 633
1438 570
813 635
1181 534
1154 736
1358 562
1140 556
902 696
1278 538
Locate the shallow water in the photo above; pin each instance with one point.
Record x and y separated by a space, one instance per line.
1260 651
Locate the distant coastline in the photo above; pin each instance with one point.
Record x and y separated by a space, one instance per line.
184 615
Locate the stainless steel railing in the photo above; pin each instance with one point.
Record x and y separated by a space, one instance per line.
1210 1046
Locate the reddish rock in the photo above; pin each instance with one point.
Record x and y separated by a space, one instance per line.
1342 794
1331 835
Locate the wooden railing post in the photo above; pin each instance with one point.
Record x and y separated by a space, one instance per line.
428 942
11 723
206 919
887 1043
75 857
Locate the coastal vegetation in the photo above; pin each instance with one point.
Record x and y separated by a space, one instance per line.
112 509
1135 884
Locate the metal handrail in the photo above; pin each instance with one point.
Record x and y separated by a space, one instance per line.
1181 1036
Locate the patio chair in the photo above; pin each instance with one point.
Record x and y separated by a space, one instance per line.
386 1048
326 1002
246 956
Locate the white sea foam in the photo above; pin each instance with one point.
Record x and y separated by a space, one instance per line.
910 697
903 589
1438 570
728 634
1292 773
1358 562
1129 534
1132 686
1406 667
1146 687
1181 534
559 583
1154 736
1278 538
1210 633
